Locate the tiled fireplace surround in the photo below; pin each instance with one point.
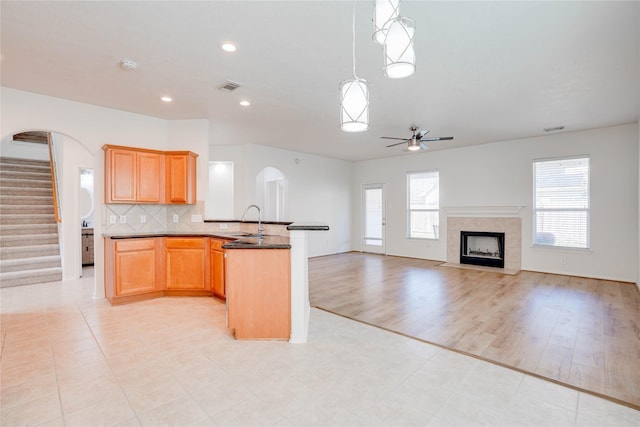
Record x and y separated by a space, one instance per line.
511 226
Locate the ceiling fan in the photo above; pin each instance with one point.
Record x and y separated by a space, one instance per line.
417 140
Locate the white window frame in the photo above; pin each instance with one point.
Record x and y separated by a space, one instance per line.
587 209
409 210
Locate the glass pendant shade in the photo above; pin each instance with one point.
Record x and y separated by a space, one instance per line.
383 12
354 105
399 55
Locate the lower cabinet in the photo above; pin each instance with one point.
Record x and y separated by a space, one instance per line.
132 268
259 293
187 264
216 261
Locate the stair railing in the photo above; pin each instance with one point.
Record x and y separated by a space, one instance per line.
54 178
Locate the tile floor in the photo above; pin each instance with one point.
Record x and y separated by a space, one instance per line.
70 360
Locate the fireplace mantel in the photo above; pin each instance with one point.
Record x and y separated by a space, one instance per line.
484 211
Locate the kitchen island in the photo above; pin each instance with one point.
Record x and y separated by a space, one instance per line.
264 278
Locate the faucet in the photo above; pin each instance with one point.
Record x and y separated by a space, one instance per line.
260 229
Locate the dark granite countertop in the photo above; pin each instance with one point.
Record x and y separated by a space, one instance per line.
308 227
237 239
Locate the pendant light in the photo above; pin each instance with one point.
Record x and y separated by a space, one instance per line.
399 55
383 12
354 95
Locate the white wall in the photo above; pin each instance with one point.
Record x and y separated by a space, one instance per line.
500 174
319 189
92 127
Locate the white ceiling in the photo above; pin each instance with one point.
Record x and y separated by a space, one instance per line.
486 71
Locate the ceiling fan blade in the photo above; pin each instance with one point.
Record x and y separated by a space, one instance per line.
391 137
423 146
422 133
438 138
397 143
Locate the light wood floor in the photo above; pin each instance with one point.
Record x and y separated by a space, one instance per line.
576 331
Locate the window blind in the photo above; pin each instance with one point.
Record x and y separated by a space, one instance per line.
561 205
423 196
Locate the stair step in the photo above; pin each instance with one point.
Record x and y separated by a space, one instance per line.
26 220
21 229
33 263
29 277
25 200
28 240
26 210
22 183
18 161
25 168
29 251
35 176
25 191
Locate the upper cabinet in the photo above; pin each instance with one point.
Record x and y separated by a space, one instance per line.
136 175
181 177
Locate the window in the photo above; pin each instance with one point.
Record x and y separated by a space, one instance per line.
561 205
424 204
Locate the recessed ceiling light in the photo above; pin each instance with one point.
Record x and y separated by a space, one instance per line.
166 99
245 103
228 47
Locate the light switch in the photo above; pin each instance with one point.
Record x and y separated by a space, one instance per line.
196 218
123 219
176 218
112 219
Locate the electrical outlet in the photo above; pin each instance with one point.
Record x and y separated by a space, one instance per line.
176 218
123 219
112 219
224 226
196 218
143 219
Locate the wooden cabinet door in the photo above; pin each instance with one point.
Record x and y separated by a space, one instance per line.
259 293
217 272
181 178
135 266
185 263
120 170
150 174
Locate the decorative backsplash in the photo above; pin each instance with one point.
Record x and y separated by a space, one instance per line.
159 218
152 218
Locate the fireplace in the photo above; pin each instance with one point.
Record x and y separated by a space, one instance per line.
482 248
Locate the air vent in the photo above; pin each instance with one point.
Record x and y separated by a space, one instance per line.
229 86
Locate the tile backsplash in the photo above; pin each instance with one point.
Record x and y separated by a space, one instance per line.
152 218
159 218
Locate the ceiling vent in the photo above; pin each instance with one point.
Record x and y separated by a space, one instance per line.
229 86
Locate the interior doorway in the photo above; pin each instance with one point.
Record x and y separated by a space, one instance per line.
373 218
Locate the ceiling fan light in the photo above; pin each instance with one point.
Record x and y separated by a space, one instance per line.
399 55
354 105
414 145
383 12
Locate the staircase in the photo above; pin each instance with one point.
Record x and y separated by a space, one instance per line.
29 249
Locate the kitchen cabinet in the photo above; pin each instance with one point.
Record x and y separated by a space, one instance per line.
133 268
87 246
217 267
259 293
181 177
187 264
133 176
138 175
